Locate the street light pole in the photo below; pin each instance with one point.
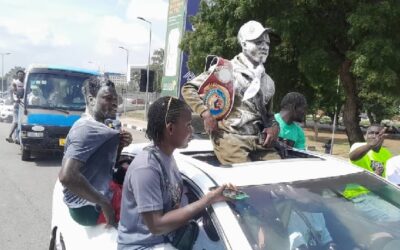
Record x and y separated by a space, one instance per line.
98 66
127 72
148 68
2 72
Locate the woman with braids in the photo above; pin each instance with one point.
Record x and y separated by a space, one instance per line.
152 190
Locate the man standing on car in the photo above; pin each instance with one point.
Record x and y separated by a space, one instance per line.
16 94
248 131
89 155
293 110
371 155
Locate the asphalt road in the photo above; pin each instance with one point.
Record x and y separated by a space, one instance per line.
26 195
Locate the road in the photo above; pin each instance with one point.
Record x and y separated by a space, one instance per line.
26 195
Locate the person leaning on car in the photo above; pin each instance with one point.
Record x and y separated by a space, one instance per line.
236 138
371 155
90 154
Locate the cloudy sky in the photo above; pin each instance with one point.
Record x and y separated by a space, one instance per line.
74 32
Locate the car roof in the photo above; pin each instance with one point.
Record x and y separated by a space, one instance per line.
255 173
275 171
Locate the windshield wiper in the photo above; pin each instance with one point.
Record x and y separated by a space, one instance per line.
61 110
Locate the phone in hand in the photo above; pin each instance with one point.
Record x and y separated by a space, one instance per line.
234 194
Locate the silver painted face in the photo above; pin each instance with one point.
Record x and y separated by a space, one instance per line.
257 50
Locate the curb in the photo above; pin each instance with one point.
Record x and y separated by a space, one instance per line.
133 127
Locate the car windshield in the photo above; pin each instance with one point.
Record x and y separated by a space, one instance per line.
55 91
357 211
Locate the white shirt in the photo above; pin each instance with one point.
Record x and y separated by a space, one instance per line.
393 170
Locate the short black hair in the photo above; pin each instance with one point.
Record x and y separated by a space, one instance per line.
292 100
374 125
164 110
20 70
93 84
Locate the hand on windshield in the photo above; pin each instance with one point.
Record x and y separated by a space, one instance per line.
210 123
125 138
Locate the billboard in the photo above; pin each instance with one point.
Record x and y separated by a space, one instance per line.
175 69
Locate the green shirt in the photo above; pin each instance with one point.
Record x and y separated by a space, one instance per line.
292 132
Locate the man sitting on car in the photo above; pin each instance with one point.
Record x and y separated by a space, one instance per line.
90 154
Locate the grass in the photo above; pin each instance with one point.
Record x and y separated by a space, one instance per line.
341 145
137 114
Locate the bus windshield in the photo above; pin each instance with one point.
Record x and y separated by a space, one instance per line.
55 91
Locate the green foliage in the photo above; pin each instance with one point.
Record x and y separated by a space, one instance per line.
157 64
311 42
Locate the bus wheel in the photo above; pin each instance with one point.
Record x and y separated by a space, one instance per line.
25 155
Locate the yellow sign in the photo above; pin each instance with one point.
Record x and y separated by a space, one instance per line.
61 141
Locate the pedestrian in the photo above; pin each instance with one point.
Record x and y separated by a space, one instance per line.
16 94
293 111
371 155
90 154
152 191
248 131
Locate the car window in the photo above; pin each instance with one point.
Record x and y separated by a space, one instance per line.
208 237
317 213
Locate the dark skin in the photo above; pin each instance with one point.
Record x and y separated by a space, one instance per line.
101 107
177 135
375 138
293 114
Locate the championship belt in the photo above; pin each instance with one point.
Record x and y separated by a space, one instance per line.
217 91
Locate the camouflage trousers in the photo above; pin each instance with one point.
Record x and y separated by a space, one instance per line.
234 148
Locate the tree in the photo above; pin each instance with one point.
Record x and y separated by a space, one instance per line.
318 41
378 106
9 76
157 64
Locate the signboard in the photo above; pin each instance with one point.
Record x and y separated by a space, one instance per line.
175 69
176 15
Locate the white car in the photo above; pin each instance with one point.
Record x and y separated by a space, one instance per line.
6 113
295 203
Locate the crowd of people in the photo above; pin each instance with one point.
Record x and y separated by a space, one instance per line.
145 201
148 203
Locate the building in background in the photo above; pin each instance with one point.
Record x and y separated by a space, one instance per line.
176 72
117 78
138 78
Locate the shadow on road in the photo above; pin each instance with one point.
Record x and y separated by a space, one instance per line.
47 160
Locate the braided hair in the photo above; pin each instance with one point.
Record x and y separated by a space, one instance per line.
292 100
164 110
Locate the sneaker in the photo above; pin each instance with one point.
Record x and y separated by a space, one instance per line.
10 140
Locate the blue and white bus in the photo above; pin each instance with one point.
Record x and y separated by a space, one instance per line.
52 102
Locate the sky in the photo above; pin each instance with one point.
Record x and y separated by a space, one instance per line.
80 33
